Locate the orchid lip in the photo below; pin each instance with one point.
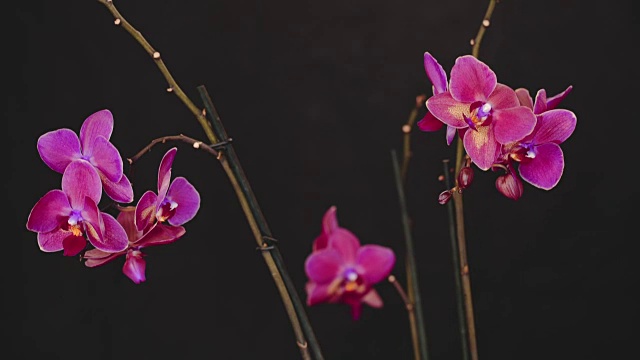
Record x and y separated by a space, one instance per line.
470 122
74 218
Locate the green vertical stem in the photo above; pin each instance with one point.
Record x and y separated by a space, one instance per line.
257 216
462 321
411 262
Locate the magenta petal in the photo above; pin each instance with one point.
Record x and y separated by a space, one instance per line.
120 191
524 97
164 172
80 179
145 210
106 158
126 218
135 266
481 146
188 199
356 310
451 133
375 262
73 244
513 124
161 234
503 97
97 124
95 257
330 220
510 186
59 148
430 123
52 241
553 101
436 74
93 223
317 294
322 267
346 243
448 110
545 170
554 126
471 80
114 238
540 104
373 299
46 213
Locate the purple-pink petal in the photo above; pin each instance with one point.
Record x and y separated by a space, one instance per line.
97 124
93 223
164 172
52 241
554 126
430 123
106 158
46 213
59 148
375 262
503 97
120 191
323 266
524 97
135 266
188 199
513 124
553 101
114 237
448 110
540 104
373 299
451 133
160 234
545 170
145 210
80 179
317 294
73 244
435 73
95 257
330 220
346 243
471 80
481 146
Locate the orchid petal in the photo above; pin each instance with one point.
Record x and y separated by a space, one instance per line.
510 186
52 241
97 124
115 237
106 158
356 310
430 123
471 80
80 179
126 217
346 243
554 126
435 73
451 133
317 294
545 170
161 234
376 262
553 101
93 224
323 266
164 172
330 220
95 257
373 299
145 210
45 214
512 124
120 191
320 242
188 199
448 110
503 97
524 97
135 266
73 244
59 148
481 146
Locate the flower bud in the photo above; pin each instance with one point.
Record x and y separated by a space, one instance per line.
465 177
134 266
444 197
510 186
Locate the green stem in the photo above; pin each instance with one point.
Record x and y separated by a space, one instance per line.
258 222
411 262
462 322
247 201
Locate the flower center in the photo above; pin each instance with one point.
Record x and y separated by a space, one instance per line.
480 113
523 152
166 210
351 280
75 222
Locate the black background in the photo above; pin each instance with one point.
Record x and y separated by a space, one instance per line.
314 95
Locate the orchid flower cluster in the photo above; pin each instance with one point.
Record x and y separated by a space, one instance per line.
69 220
499 126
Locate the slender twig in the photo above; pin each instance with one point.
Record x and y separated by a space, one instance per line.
408 304
459 211
406 130
276 269
411 263
462 321
257 220
197 144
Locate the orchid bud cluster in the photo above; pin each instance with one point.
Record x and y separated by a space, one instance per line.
69 220
500 128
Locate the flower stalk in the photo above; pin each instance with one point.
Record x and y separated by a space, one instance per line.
305 338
